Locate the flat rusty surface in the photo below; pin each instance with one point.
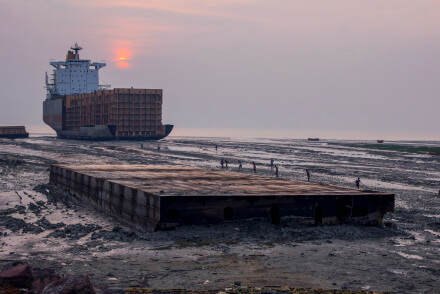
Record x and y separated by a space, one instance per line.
174 180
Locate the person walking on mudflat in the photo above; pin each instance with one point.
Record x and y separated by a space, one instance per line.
226 163
222 162
240 166
255 166
358 182
271 164
276 170
308 175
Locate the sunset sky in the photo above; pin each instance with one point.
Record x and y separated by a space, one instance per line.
328 65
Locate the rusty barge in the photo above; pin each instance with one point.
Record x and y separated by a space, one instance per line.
152 197
13 132
77 107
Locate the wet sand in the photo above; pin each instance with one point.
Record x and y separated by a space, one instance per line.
45 226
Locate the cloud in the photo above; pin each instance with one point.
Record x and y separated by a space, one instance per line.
190 7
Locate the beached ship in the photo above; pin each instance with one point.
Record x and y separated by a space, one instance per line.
78 107
13 132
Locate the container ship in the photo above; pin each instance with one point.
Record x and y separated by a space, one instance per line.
78 107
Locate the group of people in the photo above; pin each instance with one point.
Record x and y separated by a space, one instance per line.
224 164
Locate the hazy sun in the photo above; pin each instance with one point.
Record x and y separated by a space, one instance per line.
123 62
123 58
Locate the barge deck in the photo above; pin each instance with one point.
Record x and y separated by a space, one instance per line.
152 197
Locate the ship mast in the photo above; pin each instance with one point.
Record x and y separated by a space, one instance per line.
76 48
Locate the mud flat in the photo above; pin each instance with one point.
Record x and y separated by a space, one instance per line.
46 226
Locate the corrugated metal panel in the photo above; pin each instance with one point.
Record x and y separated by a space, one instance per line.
134 112
12 130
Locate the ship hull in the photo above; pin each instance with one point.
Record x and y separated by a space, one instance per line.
103 133
118 114
15 136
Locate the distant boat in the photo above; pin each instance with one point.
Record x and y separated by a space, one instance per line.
379 141
313 139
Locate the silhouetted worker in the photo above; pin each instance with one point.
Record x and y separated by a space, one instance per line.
240 166
308 175
358 182
255 166
216 148
158 147
271 164
222 162
226 163
276 170
142 146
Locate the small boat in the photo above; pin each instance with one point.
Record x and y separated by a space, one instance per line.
313 139
379 141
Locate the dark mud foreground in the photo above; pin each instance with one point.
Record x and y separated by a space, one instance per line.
45 226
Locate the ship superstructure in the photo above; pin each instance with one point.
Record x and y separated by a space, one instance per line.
74 75
78 107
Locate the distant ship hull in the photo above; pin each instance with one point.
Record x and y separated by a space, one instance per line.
20 136
104 132
118 114
13 132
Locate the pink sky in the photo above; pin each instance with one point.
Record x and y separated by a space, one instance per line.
282 65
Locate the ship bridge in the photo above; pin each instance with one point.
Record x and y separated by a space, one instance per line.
74 75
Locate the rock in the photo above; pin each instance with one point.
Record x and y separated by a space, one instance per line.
47 225
19 276
34 208
17 209
116 229
43 277
74 232
54 194
70 284
41 203
16 224
389 225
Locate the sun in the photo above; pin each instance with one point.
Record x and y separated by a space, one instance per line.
123 62
123 57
